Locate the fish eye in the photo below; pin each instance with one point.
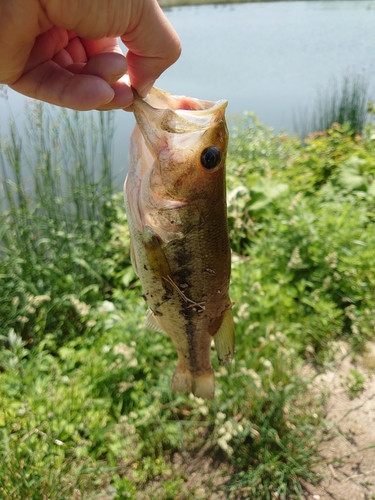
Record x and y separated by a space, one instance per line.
210 157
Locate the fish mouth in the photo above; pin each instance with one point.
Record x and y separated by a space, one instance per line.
161 112
170 135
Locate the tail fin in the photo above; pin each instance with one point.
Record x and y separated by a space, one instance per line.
202 386
224 339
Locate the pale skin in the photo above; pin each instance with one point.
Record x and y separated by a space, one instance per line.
66 52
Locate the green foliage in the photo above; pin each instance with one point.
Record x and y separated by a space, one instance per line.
86 409
355 383
310 264
52 237
100 412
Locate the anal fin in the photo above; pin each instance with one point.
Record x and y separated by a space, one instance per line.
224 339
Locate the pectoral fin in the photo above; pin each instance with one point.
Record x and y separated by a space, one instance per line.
155 255
224 339
152 323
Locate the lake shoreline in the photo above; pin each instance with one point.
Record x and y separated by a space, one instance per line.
180 3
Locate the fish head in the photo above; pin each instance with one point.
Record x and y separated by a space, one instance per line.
187 140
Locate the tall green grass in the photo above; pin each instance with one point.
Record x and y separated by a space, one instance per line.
61 167
55 190
344 102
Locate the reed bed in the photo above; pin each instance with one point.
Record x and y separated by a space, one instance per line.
343 102
56 183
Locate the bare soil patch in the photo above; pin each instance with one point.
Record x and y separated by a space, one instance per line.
348 448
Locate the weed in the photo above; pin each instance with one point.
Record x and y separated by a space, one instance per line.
345 104
355 383
51 234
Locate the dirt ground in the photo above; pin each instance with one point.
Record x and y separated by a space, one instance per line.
348 448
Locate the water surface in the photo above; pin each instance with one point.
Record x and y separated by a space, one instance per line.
270 58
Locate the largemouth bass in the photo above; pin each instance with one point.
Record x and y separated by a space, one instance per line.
175 198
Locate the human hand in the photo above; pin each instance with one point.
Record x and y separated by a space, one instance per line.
66 52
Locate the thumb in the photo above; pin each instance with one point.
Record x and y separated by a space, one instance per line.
153 46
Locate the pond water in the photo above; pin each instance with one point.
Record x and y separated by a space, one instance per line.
270 58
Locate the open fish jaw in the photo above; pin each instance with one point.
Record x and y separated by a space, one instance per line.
177 219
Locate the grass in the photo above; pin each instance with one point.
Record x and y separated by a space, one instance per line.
86 409
346 103
53 213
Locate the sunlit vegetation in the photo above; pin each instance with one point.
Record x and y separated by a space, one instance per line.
86 409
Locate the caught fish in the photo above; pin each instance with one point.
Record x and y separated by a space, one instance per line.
175 199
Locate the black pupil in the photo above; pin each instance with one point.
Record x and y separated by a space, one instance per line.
210 158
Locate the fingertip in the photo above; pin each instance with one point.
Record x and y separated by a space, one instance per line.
86 92
110 66
143 91
123 97
55 85
105 95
